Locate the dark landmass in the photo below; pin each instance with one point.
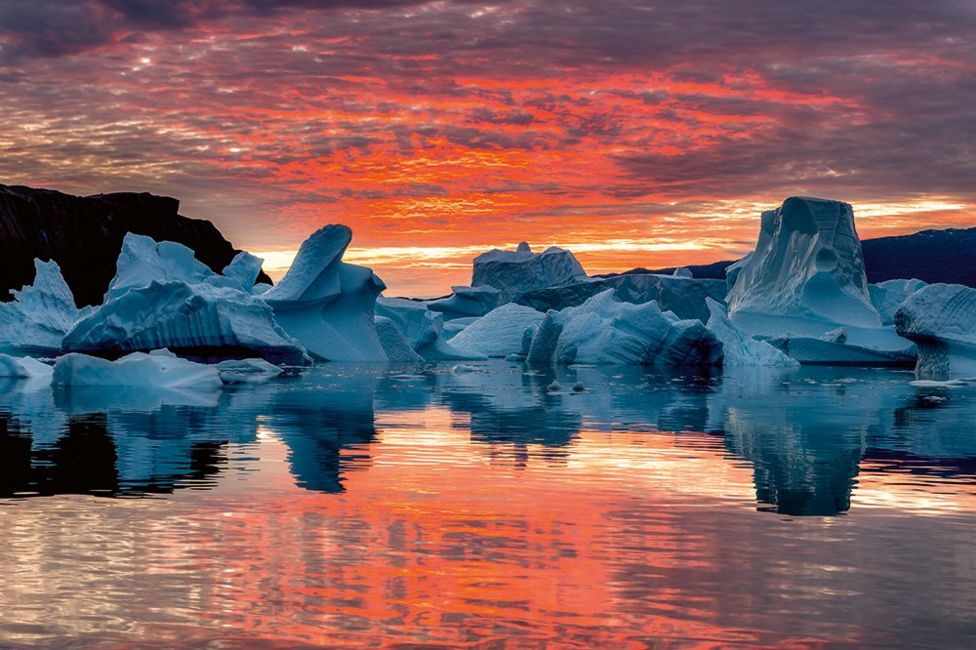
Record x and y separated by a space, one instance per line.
84 235
931 255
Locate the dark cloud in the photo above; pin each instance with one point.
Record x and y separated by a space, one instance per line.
691 99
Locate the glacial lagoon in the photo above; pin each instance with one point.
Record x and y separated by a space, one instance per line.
482 505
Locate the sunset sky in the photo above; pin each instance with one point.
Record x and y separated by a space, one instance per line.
634 133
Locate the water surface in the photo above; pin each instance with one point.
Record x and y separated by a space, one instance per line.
475 506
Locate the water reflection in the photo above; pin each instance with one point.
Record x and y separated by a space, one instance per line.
807 433
475 506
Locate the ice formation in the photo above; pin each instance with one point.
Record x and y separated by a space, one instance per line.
605 331
244 270
683 272
805 279
396 346
740 349
887 296
515 272
941 320
158 369
327 304
806 275
422 328
466 302
143 261
500 332
247 371
23 368
686 297
199 320
40 314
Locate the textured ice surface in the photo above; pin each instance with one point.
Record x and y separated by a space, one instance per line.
23 368
40 314
500 332
143 261
887 296
740 349
605 331
422 328
158 369
521 270
396 346
327 304
197 320
686 297
244 270
247 371
806 274
941 320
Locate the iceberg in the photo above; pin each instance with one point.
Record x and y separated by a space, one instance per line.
247 371
40 315
200 321
685 297
521 270
941 320
157 369
422 329
605 331
806 275
887 296
739 348
143 261
500 332
24 368
326 304
806 279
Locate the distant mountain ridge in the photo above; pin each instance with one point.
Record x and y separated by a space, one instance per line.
83 234
931 255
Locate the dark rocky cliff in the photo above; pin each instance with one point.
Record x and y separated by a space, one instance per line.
84 235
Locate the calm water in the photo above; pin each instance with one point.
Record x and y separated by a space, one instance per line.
387 507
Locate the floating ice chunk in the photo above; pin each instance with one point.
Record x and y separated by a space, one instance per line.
828 352
515 272
40 314
396 346
806 275
682 272
24 368
247 371
327 304
887 296
467 301
500 332
158 369
143 261
941 320
739 348
605 331
201 321
423 329
244 270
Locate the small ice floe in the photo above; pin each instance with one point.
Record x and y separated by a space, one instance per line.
554 387
463 368
931 383
578 387
247 371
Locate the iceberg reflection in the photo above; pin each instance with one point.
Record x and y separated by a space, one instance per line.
807 433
